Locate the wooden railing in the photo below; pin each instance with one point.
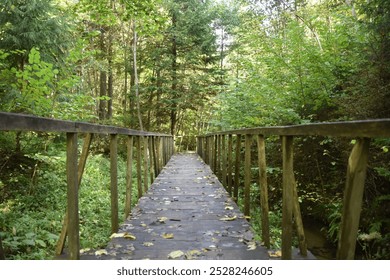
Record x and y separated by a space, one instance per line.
153 152
218 153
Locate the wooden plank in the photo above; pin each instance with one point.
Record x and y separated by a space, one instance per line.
72 196
263 191
139 163
219 158
158 154
230 164
215 154
298 222
287 207
223 163
155 157
247 177
353 196
114 182
145 164
80 171
21 122
151 167
237 168
129 175
361 128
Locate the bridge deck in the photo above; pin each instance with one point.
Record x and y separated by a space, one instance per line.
186 214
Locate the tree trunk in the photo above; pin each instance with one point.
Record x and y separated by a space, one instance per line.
110 86
174 79
136 83
103 81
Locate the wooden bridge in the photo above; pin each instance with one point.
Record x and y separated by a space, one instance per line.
186 213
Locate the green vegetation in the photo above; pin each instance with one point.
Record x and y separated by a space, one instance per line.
187 67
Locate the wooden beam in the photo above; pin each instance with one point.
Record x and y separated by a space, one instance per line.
114 182
298 222
72 196
263 191
139 163
129 175
145 163
365 128
230 164
248 142
223 163
288 185
151 167
353 196
237 168
80 171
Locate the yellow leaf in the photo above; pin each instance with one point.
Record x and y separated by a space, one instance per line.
101 252
175 254
275 254
227 218
229 208
129 236
162 219
251 246
167 235
117 235
148 244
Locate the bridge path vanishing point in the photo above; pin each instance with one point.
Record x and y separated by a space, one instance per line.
186 214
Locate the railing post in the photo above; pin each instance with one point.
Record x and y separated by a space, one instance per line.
114 182
263 190
129 175
237 167
155 158
145 163
215 154
230 164
353 196
287 207
80 172
248 142
72 196
219 157
139 163
223 164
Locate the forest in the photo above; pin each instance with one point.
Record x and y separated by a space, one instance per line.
186 68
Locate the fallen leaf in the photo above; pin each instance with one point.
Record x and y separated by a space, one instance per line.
167 235
148 244
101 252
175 254
129 236
251 246
275 254
162 219
191 254
229 208
117 235
227 218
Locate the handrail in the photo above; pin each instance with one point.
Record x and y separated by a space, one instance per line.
160 147
212 148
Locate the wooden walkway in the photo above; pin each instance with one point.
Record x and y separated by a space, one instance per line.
186 214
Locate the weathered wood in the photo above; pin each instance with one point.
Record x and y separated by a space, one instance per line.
155 158
219 157
230 164
139 163
365 128
81 166
215 154
247 177
129 175
298 221
21 122
145 163
237 168
353 196
151 167
72 196
288 186
158 154
224 158
114 182
263 191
